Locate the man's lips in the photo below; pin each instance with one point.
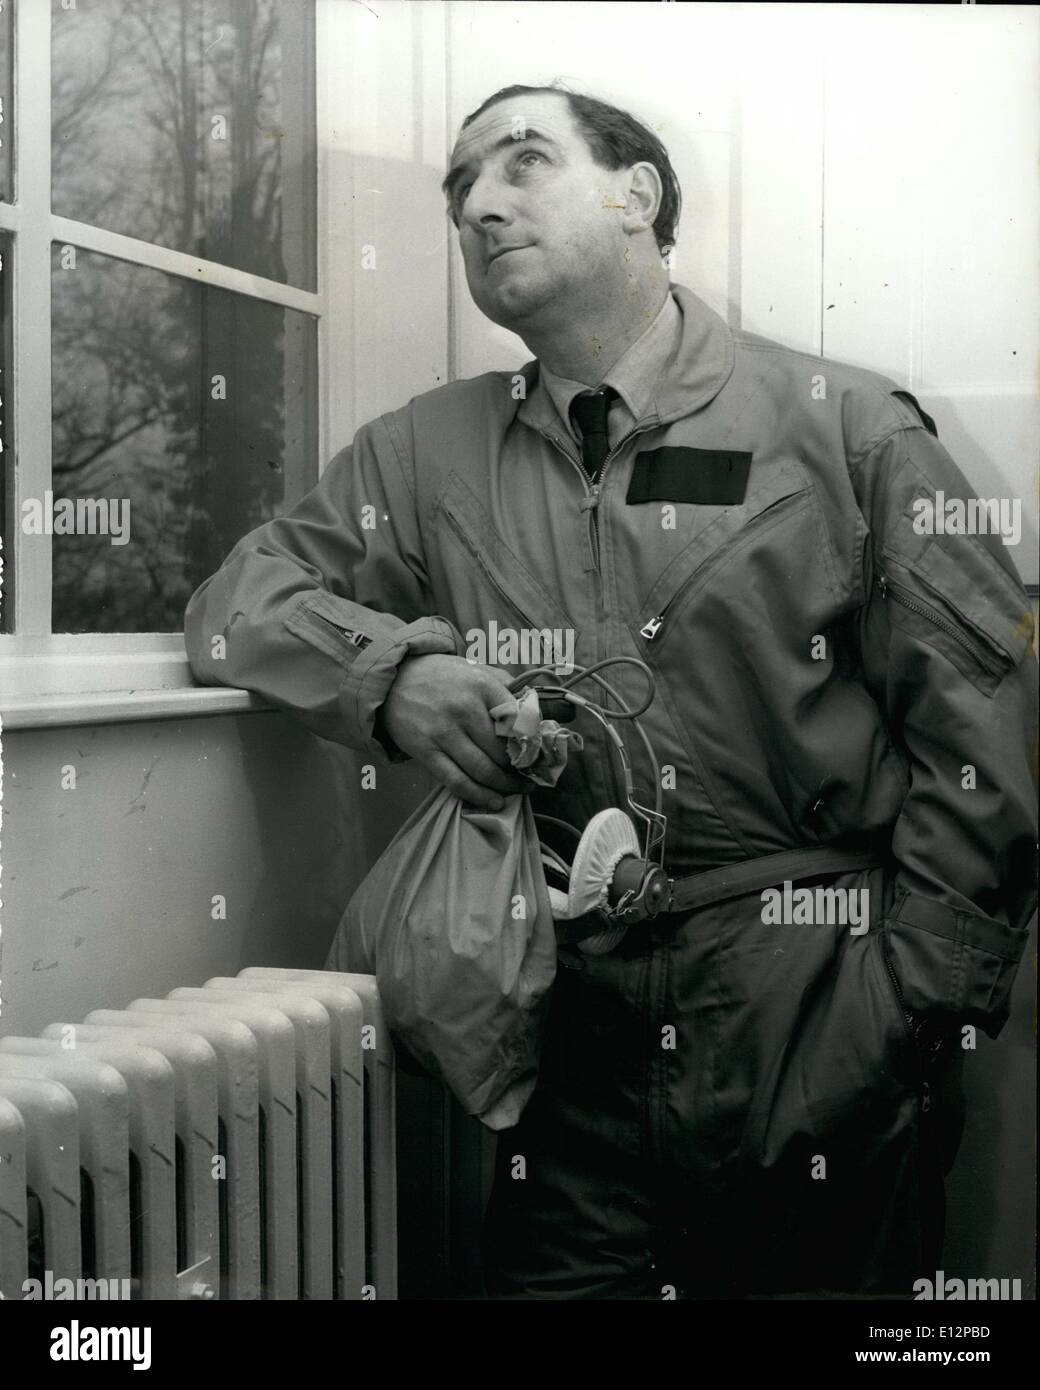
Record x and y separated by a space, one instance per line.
503 251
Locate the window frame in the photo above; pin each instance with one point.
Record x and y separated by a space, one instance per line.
45 676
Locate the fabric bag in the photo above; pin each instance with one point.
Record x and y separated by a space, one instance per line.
455 922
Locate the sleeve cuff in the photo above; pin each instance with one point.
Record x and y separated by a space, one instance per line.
953 962
367 681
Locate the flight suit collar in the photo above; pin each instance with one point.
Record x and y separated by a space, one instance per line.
636 373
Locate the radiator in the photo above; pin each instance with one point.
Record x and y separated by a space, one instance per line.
235 1141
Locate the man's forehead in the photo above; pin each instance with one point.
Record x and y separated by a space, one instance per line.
517 117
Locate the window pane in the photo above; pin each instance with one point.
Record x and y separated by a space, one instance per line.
6 106
190 124
6 454
183 417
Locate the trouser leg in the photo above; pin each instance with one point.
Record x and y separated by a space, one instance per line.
942 1127
572 1210
565 1221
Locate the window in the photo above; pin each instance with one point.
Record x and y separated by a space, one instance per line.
6 194
160 387
190 411
190 124
6 88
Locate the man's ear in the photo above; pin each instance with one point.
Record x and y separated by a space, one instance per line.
643 198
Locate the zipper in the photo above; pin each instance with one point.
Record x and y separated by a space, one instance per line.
905 600
908 1019
651 629
593 490
590 503
657 1056
356 639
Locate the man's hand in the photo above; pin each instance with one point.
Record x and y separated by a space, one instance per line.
437 713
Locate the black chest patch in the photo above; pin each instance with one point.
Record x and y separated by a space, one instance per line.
706 477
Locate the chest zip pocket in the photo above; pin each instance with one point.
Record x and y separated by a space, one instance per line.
789 492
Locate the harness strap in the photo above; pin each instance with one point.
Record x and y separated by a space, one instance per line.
734 880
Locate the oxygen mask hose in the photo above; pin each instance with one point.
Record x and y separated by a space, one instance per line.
613 880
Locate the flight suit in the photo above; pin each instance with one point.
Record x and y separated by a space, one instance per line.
725 1103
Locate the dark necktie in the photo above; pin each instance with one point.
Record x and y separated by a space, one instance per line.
589 412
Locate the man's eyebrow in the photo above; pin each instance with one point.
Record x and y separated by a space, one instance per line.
448 186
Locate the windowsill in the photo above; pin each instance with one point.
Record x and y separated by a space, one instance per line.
111 707
49 682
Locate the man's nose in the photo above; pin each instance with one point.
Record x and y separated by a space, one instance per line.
485 203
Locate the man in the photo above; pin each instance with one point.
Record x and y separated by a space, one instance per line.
741 1099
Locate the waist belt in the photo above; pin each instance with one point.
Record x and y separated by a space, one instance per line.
715 886
734 880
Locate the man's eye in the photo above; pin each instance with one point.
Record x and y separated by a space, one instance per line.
463 189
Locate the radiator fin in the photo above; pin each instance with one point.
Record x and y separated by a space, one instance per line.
185 1146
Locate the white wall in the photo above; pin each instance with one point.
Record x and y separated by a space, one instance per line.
384 139
932 223
109 881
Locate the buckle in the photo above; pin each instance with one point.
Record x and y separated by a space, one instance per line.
653 896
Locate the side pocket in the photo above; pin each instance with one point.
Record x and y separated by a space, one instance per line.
892 981
837 1059
504 572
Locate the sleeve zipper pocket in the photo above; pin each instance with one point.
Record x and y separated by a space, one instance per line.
981 654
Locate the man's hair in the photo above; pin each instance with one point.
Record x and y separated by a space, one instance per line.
616 140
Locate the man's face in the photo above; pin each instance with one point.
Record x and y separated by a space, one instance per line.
539 221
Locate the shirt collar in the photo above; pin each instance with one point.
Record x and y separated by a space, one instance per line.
700 366
636 372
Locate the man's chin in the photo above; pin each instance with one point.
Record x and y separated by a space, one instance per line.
515 304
